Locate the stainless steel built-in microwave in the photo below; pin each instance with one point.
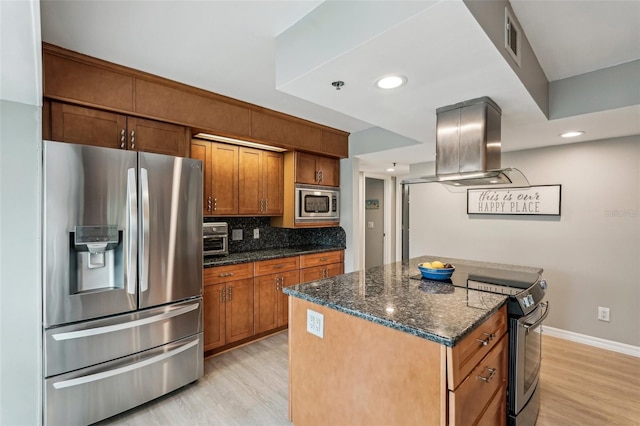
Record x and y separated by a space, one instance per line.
317 204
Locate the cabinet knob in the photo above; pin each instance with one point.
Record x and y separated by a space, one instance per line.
215 203
266 205
223 294
123 137
133 139
209 204
229 298
261 205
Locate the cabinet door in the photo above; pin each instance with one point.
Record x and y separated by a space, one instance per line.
266 302
201 150
334 270
154 136
306 168
214 316
329 169
239 310
88 126
287 279
273 182
250 186
224 164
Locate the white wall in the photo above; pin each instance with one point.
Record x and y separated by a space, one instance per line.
590 254
350 211
20 168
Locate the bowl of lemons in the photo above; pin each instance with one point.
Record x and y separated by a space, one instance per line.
436 270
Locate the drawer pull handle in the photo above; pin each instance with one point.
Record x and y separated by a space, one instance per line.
323 259
279 266
228 274
492 372
486 341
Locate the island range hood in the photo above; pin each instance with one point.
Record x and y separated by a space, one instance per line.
468 147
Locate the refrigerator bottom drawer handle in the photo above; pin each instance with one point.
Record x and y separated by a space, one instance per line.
125 325
121 370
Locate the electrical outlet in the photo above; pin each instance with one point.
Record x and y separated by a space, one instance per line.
315 323
236 234
256 233
603 314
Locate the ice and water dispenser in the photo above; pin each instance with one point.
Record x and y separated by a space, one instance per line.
98 257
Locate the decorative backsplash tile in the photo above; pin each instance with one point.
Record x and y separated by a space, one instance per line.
277 237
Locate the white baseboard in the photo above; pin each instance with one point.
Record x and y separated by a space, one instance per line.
609 345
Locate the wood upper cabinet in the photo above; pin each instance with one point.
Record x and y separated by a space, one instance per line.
317 170
88 126
220 176
71 77
261 182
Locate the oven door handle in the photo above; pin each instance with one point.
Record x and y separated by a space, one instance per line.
529 327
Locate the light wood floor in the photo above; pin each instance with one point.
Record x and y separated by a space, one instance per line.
580 385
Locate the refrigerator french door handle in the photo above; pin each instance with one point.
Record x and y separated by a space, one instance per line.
110 373
132 229
144 241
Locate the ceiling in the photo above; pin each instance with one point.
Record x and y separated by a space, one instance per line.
284 55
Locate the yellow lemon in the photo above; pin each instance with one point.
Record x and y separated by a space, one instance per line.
437 264
426 265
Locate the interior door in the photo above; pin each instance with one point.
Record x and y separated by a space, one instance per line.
170 254
89 198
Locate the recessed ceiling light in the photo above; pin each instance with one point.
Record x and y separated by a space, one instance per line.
572 134
391 81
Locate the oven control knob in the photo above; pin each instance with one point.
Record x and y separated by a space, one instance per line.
543 284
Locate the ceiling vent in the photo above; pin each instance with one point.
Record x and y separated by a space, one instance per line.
512 36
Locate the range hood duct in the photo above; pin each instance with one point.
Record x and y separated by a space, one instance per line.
468 147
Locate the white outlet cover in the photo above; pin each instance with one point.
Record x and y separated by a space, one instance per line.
256 233
315 323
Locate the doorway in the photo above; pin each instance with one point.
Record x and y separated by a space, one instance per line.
374 234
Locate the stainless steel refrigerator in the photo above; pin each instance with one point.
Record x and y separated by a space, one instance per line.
122 279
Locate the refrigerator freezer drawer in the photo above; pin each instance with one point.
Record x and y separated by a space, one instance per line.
92 394
89 343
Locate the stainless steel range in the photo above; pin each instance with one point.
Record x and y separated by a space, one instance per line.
526 310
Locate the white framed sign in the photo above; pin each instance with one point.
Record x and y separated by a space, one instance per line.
532 200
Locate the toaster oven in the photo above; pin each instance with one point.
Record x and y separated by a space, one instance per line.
215 239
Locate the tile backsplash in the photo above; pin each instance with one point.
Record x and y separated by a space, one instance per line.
271 238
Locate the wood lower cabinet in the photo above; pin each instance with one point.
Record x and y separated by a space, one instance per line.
318 266
245 300
239 310
228 304
214 297
271 309
220 176
317 170
88 126
477 374
260 182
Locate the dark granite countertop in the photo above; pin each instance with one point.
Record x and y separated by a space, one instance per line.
389 296
257 255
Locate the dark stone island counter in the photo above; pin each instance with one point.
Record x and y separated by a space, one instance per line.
394 296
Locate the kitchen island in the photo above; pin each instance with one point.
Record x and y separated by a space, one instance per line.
385 347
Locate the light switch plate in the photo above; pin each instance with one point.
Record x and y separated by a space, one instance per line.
256 233
315 323
370 225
